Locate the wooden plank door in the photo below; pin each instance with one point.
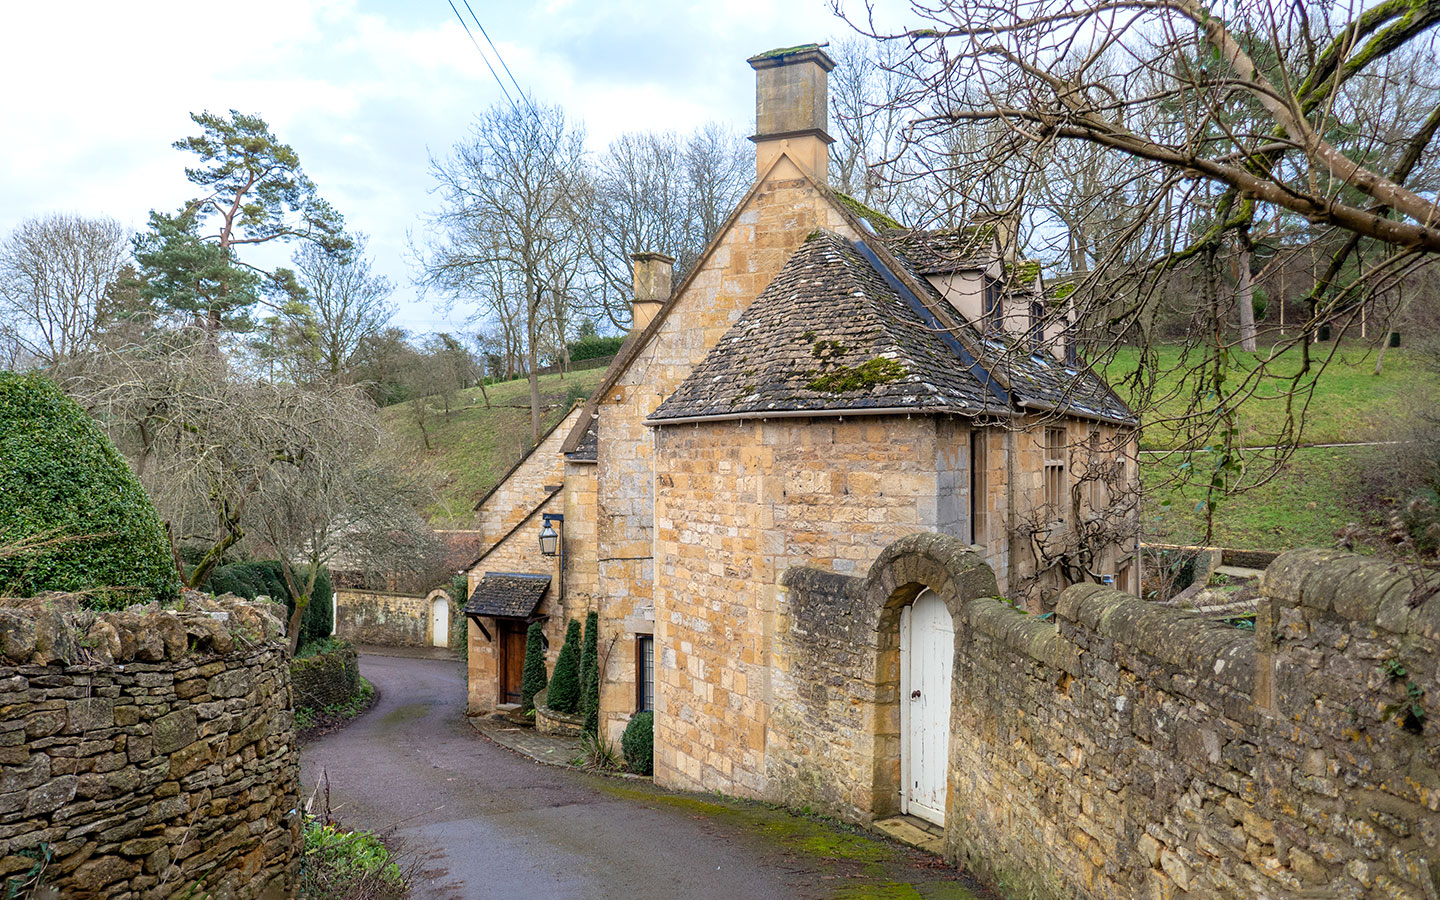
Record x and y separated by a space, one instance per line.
512 662
927 650
440 622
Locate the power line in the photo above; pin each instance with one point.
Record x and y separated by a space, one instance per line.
503 65
478 50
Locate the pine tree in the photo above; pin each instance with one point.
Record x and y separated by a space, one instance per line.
564 693
590 675
533 681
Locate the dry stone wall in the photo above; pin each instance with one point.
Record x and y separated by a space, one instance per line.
148 752
1120 749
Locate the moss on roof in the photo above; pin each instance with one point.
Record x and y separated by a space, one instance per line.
784 51
877 219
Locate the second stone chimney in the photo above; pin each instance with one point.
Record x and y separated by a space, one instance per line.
652 286
792 108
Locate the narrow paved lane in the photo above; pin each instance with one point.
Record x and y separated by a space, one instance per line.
489 823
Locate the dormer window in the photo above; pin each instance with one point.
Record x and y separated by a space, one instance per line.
991 312
1072 349
1037 327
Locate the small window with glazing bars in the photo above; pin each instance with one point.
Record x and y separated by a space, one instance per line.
644 672
1055 499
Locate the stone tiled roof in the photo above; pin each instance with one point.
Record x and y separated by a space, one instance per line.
507 595
833 333
587 450
944 250
828 333
1035 377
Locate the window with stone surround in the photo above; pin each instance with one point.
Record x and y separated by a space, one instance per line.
978 487
644 672
1055 499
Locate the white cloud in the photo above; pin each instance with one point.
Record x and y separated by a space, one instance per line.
97 92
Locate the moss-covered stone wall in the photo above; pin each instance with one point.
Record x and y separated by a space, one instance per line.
1122 749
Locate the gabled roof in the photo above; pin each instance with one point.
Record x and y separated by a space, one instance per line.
828 333
945 250
507 595
847 326
639 339
587 449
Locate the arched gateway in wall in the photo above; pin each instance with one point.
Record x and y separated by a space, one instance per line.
892 633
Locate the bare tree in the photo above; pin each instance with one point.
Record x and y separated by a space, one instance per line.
54 274
340 501
207 442
350 302
656 191
506 196
1190 141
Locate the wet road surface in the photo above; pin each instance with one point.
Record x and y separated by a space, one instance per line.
489 823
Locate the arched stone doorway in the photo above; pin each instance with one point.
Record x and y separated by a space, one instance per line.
938 574
440 619
927 661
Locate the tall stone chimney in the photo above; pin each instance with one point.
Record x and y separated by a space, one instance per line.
792 108
652 286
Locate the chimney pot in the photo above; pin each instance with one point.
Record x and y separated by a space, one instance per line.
792 108
652 274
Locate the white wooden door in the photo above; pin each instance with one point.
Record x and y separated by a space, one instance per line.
440 622
927 651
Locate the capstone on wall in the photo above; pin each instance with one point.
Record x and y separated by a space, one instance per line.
149 753
1124 750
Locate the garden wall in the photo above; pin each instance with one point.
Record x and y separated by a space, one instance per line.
386 620
148 753
325 679
1123 749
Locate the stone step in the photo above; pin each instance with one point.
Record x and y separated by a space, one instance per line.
912 831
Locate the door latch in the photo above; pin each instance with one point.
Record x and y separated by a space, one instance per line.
915 694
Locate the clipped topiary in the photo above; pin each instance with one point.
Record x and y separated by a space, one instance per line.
638 743
74 517
564 693
265 576
533 681
590 675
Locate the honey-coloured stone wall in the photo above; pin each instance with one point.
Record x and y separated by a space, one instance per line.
1119 749
148 753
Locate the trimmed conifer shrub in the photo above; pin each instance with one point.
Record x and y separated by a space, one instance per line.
564 693
590 675
74 517
533 681
638 743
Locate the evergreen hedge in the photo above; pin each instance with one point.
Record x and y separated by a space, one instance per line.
533 681
638 743
590 675
564 693
62 478
252 579
594 347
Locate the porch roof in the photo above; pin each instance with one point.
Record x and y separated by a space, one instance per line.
507 595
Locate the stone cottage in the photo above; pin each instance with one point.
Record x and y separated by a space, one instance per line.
822 384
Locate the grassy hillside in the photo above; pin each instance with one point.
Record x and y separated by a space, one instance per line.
478 445
1346 402
1319 490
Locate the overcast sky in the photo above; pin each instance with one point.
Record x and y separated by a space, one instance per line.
364 90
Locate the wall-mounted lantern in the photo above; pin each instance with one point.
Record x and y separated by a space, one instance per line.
549 537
